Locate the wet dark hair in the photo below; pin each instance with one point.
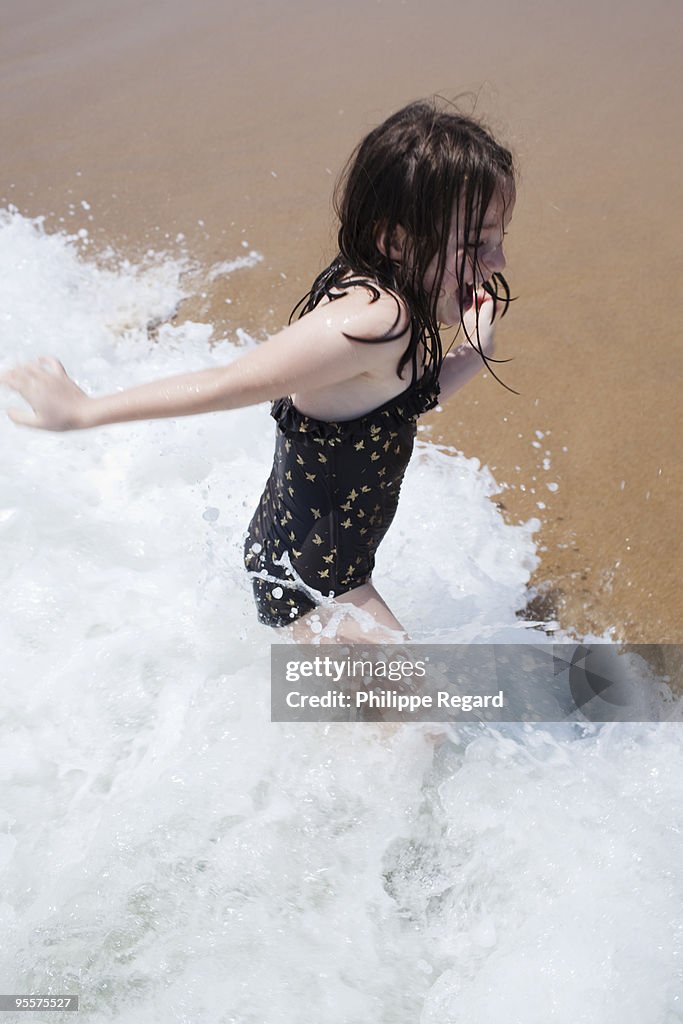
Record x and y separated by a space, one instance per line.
414 171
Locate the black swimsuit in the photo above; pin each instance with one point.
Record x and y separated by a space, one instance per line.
330 499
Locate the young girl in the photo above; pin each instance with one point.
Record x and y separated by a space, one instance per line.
423 206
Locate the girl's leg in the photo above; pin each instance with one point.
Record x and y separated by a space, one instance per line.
356 617
359 616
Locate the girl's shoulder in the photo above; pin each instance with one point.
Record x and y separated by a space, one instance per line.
365 311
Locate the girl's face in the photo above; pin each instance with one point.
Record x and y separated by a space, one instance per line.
490 260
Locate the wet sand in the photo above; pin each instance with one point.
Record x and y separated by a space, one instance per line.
229 126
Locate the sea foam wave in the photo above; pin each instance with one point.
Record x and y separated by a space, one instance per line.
171 855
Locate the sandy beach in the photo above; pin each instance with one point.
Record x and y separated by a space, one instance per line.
219 131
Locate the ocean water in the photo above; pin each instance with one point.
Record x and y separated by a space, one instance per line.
169 854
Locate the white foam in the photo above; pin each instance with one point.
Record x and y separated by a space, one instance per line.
170 854
240 263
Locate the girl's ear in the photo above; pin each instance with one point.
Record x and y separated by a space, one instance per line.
392 246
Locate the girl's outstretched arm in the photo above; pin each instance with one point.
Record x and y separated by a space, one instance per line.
311 353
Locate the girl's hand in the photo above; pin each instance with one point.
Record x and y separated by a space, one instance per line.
465 362
57 403
487 329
